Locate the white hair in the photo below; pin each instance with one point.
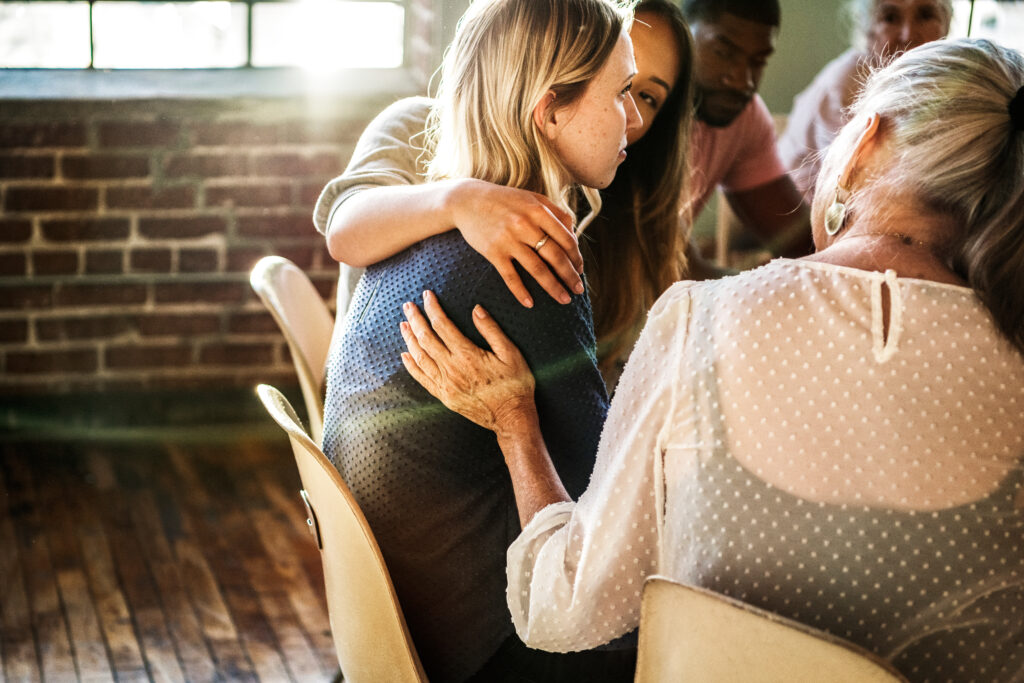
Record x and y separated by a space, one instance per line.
956 152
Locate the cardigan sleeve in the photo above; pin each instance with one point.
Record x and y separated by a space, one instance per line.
389 152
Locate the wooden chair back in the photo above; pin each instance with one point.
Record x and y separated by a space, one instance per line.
307 325
692 634
369 629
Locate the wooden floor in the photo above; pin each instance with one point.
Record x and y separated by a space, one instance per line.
158 560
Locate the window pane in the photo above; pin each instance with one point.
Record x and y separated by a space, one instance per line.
1000 22
169 35
328 34
48 35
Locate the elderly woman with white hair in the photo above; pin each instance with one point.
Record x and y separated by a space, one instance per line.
883 29
839 438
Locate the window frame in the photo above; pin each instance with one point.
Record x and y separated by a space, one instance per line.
428 27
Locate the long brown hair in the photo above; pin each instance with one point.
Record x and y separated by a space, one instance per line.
635 248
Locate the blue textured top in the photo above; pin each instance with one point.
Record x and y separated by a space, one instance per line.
434 486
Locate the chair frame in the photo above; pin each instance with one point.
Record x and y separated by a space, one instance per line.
690 633
371 637
283 287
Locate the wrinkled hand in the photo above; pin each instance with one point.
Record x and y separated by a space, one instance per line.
504 224
492 389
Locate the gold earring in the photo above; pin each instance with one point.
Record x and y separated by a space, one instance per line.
835 215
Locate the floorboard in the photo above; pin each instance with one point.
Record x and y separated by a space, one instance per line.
149 560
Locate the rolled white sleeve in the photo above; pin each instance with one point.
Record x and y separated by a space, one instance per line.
576 572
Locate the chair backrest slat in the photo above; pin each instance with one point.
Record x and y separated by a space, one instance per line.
370 634
306 323
692 634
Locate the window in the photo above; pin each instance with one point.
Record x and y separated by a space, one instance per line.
203 34
999 21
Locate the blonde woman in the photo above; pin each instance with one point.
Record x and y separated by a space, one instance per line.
838 439
534 96
631 253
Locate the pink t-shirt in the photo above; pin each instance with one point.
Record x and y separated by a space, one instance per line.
740 156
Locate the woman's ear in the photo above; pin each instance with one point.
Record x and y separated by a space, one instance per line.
865 145
544 115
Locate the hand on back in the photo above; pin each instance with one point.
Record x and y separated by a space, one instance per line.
505 225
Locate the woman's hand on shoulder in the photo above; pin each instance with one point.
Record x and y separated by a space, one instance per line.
493 389
505 224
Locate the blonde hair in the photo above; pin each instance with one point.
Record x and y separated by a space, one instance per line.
945 106
506 55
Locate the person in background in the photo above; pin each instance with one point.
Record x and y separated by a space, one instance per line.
633 250
838 438
883 29
534 96
733 143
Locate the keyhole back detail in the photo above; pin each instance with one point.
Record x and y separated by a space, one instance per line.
887 316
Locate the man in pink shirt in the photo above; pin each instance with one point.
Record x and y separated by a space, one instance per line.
733 144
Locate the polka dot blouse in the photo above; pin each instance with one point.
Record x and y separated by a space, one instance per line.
842 447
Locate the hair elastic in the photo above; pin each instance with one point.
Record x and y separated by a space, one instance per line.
1017 109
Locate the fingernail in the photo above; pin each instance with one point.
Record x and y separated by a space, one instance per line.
564 298
578 288
407 306
403 326
528 302
479 311
427 294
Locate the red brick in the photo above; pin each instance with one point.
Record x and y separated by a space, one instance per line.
277 194
181 228
206 165
83 327
287 225
242 259
100 294
160 356
86 229
104 261
147 197
33 362
169 325
252 323
105 166
13 331
21 166
51 198
42 135
54 262
236 133
307 194
296 165
26 296
13 264
201 292
138 134
237 354
15 230
150 260
197 261
326 285
336 132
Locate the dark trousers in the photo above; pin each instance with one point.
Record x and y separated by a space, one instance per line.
514 662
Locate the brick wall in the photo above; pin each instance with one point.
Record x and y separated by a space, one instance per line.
128 230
